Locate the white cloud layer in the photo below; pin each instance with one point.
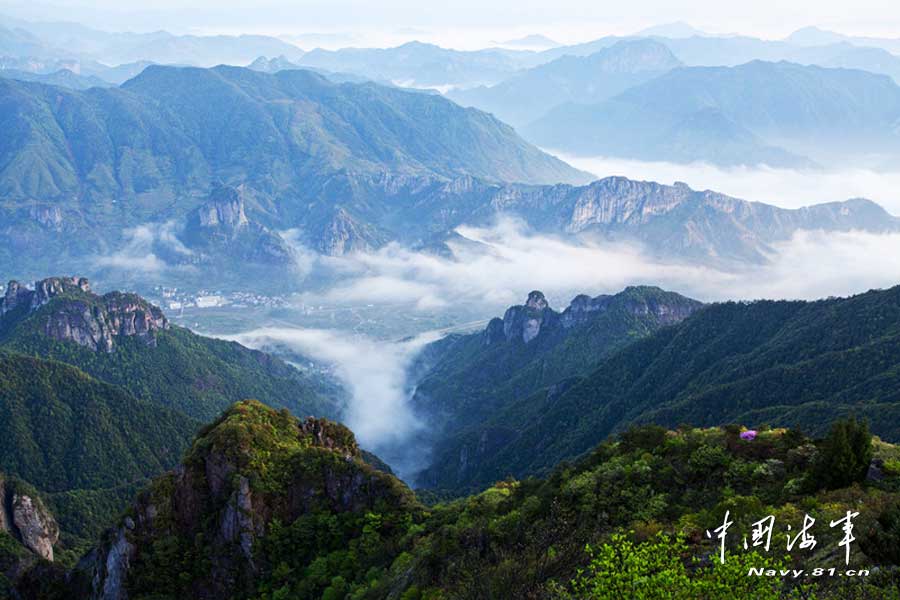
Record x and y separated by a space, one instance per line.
511 262
137 252
787 188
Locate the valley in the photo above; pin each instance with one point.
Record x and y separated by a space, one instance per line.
327 309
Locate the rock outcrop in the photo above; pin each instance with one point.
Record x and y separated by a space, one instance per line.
526 322
343 234
70 311
19 296
23 515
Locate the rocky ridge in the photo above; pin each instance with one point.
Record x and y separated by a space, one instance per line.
77 314
527 321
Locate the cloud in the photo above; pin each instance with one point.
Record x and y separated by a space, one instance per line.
787 188
509 261
139 249
374 372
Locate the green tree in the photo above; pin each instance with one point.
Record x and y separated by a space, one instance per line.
657 570
844 454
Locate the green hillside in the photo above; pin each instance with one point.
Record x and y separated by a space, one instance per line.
477 374
798 364
168 366
269 507
62 429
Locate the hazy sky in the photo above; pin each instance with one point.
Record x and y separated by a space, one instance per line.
465 22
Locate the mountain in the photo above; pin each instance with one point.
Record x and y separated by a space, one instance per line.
534 41
73 40
675 221
80 167
51 70
100 393
532 347
797 364
529 94
780 114
737 50
121 339
815 36
252 477
675 30
281 63
266 504
63 78
734 50
416 64
85 445
17 42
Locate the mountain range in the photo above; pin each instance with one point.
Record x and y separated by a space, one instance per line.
529 94
76 41
780 363
347 166
134 159
100 161
62 78
781 114
262 500
416 64
471 377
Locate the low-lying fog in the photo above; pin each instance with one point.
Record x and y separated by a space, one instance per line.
510 264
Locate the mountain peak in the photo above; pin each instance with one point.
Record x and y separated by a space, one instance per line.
635 56
44 290
536 300
251 468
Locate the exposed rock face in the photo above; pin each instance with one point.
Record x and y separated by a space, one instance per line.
224 209
85 318
220 228
44 290
48 217
526 322
109 580
24 516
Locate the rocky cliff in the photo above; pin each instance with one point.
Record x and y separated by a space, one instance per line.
220 229
23 515
525 322
75 313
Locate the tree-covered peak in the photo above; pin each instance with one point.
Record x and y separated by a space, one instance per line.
255 438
